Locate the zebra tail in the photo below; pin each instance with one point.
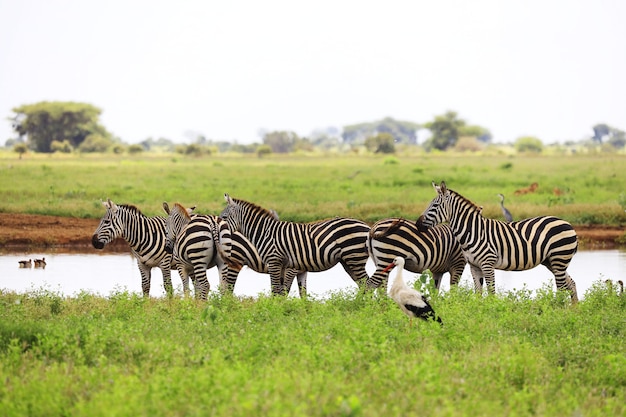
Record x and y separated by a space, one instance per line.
393 227
220 250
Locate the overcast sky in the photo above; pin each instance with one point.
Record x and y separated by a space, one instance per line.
228 68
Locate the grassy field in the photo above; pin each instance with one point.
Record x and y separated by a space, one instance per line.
348 355
591 189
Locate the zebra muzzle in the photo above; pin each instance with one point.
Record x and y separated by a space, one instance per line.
96 242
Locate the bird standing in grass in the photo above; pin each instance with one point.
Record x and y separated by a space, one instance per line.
507 214
410 301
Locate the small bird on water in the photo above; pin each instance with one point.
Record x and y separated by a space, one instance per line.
410 301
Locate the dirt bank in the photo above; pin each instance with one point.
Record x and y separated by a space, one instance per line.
28 231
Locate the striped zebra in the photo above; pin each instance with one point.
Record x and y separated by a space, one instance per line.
186 232
313 247
197 243
144 235
490 244
435 249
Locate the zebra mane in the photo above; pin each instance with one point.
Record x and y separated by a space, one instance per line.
467 201
131 208
182 210
256 208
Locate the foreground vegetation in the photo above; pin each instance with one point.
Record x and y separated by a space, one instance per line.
581 189
345 355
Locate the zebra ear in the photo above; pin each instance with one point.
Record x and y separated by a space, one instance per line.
166 207
227 198
443 187
110 205
190 210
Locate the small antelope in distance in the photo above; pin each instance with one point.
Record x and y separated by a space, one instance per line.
530 189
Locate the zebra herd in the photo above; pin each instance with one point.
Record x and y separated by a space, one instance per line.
450 233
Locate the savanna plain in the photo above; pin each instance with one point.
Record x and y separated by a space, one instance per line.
347 354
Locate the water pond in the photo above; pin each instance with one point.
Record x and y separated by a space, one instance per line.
107 273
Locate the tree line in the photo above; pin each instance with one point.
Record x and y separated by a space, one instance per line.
48 127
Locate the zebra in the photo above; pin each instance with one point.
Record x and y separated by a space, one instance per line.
197 243
145 236
435 249
313 247
242 251
490 244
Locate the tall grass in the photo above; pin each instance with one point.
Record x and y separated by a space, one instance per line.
590 188
345 355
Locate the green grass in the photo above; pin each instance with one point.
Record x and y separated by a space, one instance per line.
347 355
302 188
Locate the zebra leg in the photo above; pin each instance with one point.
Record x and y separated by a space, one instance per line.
490 279
565 282
377 279
166 269
290 275
477 275
437 277
145 272
357 272
184 277
301 277
230 278
202 282
276 272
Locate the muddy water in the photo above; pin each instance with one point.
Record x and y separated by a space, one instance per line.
72 273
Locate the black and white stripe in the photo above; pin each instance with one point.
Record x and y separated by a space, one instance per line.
490 244
435 249
144 235
313 247
197 243
192 240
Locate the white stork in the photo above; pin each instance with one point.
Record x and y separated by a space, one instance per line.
412 302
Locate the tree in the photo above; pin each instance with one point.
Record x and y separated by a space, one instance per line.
600 131
45 122
20 148
281 141
381 143
445 129
480 133
401 131
528 144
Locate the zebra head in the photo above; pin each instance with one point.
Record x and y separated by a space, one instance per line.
232 213
240 215
438 211
177 218
110 227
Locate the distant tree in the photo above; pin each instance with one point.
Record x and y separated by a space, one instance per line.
468 144
135 149
445 131
600 131
381 143
528 144
21 149
63 147
480 133
263 150
401 131
617 139
281 141
45 122
94 143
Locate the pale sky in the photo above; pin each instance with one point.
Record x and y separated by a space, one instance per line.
228 68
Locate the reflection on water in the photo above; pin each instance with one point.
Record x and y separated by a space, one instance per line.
106 272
